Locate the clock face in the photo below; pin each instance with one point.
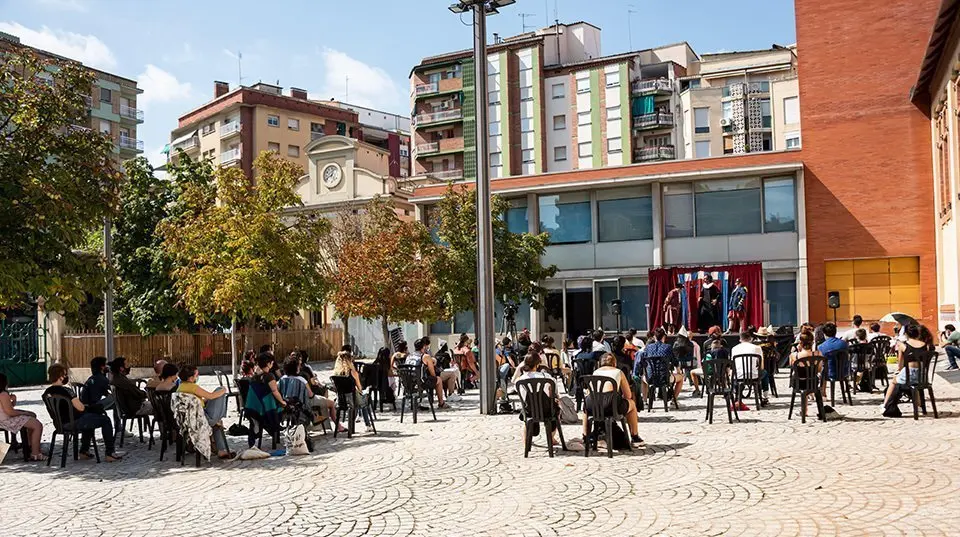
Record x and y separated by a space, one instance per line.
332 174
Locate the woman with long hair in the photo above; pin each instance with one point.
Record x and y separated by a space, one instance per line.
13 420
344 367
466 360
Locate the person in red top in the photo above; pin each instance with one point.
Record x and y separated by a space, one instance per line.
671 310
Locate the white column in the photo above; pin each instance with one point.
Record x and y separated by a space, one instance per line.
803 287
655 191
533 227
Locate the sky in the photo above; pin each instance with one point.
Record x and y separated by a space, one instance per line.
175 49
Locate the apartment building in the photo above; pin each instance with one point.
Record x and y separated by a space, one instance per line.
112 104
936 94
239 123
741 102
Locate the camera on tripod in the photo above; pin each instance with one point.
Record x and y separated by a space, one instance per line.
510 311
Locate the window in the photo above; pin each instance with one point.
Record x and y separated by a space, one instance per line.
792 140
526 155
496 159
701 120
583 85
614 145
433 78
526 94
624 214
779 205
766 121
293 124
766 140
678 210
522 317
525 78
727 145
614 112
526 124
558 91
566 217
104 127
583 118
791 110
341 128
559 123
634 298
273 146
293 150
208 154
494 128
701 149
782 296
694 83
560 153
727 207
516 216
106 96
726 110
585 149
613 79
208 128
494 97
441 327
273 121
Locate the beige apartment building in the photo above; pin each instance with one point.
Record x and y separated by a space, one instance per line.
741 102
234 127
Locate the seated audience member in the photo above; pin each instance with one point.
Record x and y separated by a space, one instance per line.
805 348
531 368
714 333
656 364
169 378
860 336
684 356
619 351
131 399
263 401
399 357
909 354
214 406
874 331
950 340
13 420
344 367
421 358
88 417
599 345
157 369
96 390
466 359
505 364
831 344
851 333
739 355
448 370
386 384
716 352
292 385
628 408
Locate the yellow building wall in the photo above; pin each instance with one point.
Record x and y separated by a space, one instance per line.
874 287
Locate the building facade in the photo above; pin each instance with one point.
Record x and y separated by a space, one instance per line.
937 95
233 128
112 104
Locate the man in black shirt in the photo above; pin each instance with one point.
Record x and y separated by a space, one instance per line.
86 418
96 389
130 398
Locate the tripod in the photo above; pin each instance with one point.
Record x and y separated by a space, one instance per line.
509 327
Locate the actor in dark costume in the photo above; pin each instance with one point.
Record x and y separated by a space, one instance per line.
671 310
709 307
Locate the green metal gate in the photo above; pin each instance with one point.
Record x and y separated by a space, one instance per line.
21 357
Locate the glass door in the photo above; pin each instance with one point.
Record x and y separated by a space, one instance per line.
578 307
605 292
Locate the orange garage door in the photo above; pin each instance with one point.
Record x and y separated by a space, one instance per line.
874 287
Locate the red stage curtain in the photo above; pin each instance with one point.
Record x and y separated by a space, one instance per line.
752 278
693 288
660 283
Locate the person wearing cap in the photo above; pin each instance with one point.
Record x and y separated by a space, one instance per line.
715 333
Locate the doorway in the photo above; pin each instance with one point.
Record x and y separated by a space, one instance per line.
579 307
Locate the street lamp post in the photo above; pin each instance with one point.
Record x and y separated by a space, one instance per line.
108 293
486 334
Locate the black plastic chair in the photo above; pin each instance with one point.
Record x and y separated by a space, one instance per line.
771 363
413 390
64 420
582 367
861 360
538 401
747 375
18 440
224 380
718 377
841 373
124 412
915 388
882 345
346 402
804 381
664 384
603 406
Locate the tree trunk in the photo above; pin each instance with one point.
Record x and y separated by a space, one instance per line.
387 342
248 337
233 347
346 333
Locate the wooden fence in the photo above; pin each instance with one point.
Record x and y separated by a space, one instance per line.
201 349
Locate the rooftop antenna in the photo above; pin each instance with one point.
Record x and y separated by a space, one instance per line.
239 57
523 18
630 12
346 97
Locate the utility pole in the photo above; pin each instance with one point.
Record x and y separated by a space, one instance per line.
630 12
108 349
523 20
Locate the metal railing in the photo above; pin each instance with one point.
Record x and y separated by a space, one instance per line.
447 174
230 128
657 84
316 135
230 155
654 120
188 144
130 112
423 89
442 115
127 142
431 147
660 152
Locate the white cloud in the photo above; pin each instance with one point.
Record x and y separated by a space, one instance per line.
83 48
66 5
368 85
160 86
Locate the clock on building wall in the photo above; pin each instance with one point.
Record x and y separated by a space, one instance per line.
332 175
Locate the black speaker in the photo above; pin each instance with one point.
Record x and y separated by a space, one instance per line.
615 306
833 299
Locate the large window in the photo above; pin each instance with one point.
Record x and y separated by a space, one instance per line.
678 210
701 149
726 110
727 207
782 296
633 304
624 214
766 119
559 122
701 120
779 205
566 217
558 91
791 110
516 216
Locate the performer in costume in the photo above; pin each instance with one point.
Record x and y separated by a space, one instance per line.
709 306
737 307
671 310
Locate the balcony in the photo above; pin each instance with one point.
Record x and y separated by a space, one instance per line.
437 117
131 113
656 120
131 144
440 146
447 175
316 135
650 154
657 85
230 156
189 144
426 89
432 147
229 129
443 85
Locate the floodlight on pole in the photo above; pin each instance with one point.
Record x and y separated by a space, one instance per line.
486 334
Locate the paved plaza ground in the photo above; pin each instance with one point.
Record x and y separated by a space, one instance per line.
465 475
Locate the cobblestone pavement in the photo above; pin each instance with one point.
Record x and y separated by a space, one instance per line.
465 475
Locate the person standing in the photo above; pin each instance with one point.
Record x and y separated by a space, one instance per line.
671 310
709 307
737 307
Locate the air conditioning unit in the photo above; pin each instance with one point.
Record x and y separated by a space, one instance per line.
726 122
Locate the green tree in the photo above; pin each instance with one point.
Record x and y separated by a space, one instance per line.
242 250
382 269
517 266
58 182
146 300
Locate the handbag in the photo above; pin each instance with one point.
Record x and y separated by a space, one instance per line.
295 439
